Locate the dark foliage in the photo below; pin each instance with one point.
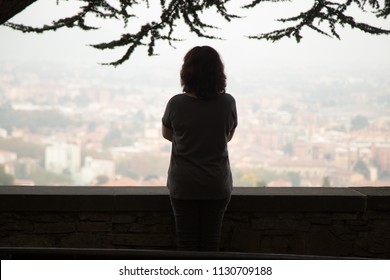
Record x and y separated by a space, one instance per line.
362 168
331 14
359 122
48 119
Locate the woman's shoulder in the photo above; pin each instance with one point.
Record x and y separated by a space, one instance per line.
177 97
182 97
228 97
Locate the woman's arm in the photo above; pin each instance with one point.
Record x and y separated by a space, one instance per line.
167 133
231 134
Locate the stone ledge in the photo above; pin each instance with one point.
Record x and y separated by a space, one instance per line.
24 253
377 198
116 199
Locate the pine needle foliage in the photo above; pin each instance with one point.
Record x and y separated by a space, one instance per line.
332 14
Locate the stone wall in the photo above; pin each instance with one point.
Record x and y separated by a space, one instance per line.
342 222
87 230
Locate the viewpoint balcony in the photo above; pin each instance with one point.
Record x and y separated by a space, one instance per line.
327 222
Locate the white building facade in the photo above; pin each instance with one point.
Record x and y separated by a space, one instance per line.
61 158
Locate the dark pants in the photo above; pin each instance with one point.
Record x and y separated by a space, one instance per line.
198 223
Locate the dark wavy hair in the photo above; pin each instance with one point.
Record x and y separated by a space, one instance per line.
203 73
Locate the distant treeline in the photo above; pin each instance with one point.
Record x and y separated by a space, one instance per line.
23 148
34 121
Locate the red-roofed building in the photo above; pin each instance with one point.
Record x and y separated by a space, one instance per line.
24 182
121 182
382 156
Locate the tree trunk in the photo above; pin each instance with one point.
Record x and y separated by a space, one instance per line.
10 8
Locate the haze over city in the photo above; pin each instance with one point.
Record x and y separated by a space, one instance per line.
310 114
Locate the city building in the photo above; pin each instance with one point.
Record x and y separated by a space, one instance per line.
63 158
7 159
93 169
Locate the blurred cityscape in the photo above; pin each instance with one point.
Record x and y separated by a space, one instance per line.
74 127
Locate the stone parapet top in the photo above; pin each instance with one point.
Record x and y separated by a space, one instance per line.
122 199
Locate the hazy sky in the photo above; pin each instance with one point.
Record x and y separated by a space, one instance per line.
243 57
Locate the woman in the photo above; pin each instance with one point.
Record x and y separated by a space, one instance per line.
200 122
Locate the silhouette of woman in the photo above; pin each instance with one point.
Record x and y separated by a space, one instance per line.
199 122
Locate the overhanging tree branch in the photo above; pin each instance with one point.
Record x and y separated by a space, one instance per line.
332 15
10 8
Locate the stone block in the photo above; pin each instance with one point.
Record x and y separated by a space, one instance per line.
319 219
241 217
153 219
141 228
42 217
324 243
297 244
142 240
54 227
95 217
276 232
124 218
284 224
303 226
360 248
47 217
84 240
120 228
357 223
10 217
268 223
155 228
376 246
291 216
262 223
359 228
339 230
245 240
17 226
94 227
346 216
27 240
377 214
298 225
382 223
275 244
